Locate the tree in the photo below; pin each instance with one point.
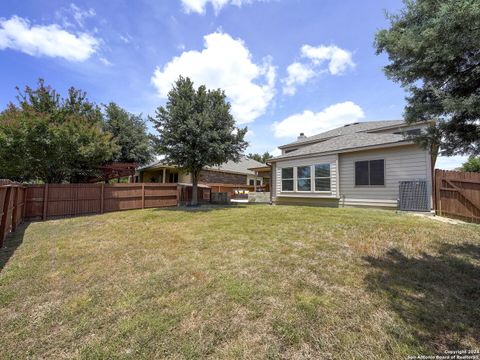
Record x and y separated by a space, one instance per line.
196 130
472 165
130 133
434 52
52 139
260 157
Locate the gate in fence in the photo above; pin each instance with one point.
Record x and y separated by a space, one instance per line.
457 194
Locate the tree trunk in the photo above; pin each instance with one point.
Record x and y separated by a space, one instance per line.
194 201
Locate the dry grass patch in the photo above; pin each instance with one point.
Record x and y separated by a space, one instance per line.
240 282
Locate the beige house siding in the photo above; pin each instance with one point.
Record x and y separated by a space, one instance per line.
401 163
277 178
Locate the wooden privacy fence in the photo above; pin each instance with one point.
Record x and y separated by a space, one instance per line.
12 207
63 200
457 194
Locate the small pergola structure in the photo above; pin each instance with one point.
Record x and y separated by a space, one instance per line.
114 170
264 172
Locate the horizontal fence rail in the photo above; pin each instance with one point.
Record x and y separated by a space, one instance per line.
457 194
64 200
46 201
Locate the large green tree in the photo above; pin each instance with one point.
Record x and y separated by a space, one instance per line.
130 133
434 52
196 129
260 157
52 139
472 165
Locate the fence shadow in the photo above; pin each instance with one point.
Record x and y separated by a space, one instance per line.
12 242
201 208
437 296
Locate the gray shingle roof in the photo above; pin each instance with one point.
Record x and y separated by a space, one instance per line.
345 142
230 166
349 129
241 167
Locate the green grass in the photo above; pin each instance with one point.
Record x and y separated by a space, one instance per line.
240 282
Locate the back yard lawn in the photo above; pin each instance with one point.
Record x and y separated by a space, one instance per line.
240 282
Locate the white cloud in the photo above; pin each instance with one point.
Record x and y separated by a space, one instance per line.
338 62
105 61
312 123
224 63
49 40
298 74
199 6
80 15
450 163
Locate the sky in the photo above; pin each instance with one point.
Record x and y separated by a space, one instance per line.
287 66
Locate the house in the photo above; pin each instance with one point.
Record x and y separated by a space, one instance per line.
244 172
359 164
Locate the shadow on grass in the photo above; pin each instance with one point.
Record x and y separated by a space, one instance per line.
12 242
437 296
201 208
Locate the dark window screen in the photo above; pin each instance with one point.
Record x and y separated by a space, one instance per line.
377 172
361 173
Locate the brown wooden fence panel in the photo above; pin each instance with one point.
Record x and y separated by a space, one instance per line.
457 194
160 195
34 201
12 208
64 200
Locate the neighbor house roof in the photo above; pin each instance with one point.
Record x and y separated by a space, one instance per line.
240 167
366 126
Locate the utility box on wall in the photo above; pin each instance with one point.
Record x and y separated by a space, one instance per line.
413 195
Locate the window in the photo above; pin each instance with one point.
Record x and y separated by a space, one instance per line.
304 178
287 179
251 182
259 182
371 172
322 177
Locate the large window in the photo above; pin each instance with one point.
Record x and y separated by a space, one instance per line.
322 177
287 179
371 172
304 178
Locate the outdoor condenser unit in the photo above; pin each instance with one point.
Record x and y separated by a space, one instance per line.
413 196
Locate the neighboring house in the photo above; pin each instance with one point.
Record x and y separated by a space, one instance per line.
238 173
358 164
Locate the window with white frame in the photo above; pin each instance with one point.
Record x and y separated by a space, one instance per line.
304 178
287 179
322 177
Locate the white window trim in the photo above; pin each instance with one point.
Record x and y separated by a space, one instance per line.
314 177
294 180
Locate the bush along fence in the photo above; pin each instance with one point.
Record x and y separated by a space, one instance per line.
46 201
457 194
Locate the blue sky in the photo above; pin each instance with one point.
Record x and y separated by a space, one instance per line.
288 66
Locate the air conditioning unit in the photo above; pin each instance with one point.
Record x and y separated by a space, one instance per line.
413 195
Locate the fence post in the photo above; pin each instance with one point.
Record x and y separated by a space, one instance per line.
4 220
438 199
15 209
143 196
45 202
24 209
102 195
